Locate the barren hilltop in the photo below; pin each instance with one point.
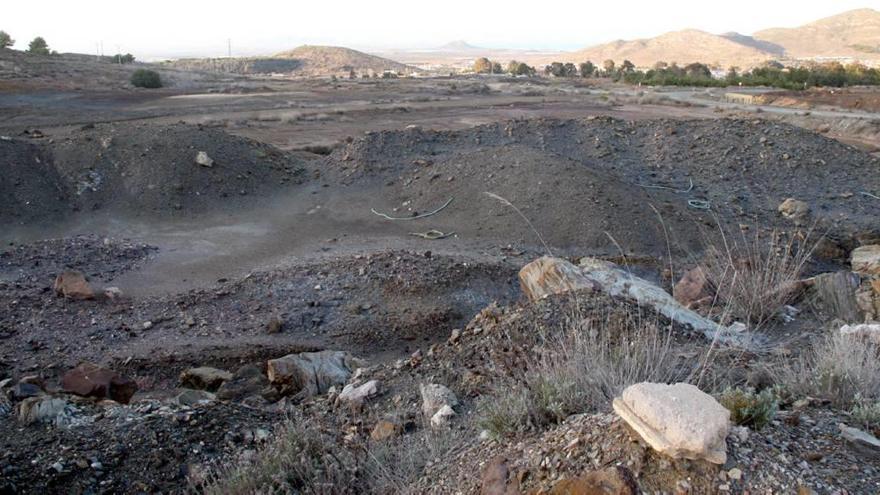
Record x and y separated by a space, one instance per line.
850 35
683 47
307 60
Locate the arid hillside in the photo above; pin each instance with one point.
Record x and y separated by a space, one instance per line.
305 60
332 59
682 47
852 34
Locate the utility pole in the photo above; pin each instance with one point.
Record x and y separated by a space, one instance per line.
229 47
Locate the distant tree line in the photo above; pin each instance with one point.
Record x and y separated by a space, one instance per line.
37 46
774 74
589 69
122 59
483 65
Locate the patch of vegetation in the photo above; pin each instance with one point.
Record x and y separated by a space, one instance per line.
515 68
300 459
38 46
122 59
866 414
843 369
6 41
483 65
145 78
582 367
832 74
748 408
755 278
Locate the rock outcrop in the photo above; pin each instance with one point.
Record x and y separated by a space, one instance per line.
91 380
204 378
677 420
73 285
866 259
311 373
554 275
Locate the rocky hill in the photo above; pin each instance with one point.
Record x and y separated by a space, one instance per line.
851 34
683 47
334 59
854 34
306 60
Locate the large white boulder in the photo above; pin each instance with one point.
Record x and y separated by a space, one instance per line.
678 420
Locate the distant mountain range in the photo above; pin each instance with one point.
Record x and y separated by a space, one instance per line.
853 35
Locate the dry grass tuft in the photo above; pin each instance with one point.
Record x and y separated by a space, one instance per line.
755 278
841 368
300 459
582 366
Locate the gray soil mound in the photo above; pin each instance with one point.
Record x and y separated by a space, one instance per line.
584 182
29 183
139 169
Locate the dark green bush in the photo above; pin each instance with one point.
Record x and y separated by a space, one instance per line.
748 408
143 78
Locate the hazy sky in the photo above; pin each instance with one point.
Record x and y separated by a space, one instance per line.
166 28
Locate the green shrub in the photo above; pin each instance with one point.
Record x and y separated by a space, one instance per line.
143 78
505 413
39 46
866 414
748 408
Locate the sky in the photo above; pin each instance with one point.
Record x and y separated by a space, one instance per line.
152 29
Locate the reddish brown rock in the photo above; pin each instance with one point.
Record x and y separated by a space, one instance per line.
496 479
693 288
73 285
91 380
611 481
384 430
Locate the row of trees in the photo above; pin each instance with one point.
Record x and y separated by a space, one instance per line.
773 73
485 66
831 74
589 69
38 45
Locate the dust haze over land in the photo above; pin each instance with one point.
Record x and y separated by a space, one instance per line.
277 260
